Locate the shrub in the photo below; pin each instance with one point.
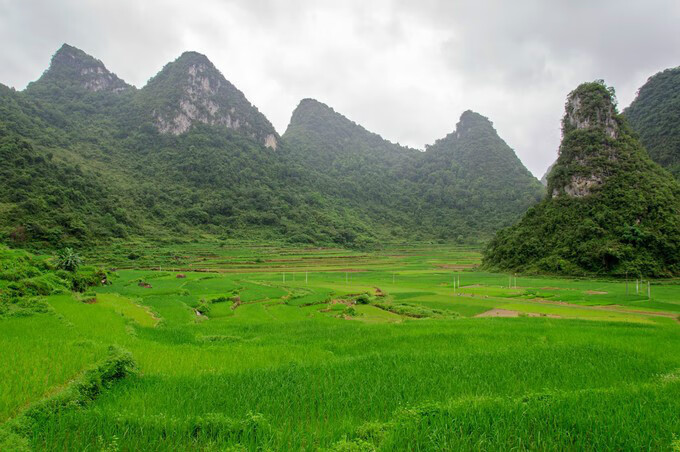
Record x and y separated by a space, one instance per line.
364 298
68 260
350 311
204 307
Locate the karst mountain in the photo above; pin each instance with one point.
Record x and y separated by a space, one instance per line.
609 209
88 158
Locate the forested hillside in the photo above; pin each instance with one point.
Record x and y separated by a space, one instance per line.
609 210
465 185
89 158
655 116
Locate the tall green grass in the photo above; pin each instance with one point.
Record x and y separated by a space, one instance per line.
285 371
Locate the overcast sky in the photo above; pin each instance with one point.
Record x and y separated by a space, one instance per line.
405 69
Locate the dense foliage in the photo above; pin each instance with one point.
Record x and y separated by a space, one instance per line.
472 182
609 210
655 116
87 159
25 279
466 185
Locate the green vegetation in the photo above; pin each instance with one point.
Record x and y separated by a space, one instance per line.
87 158
609 209
68 260
655 116
85 389
468 184
333 359
26 279
222 323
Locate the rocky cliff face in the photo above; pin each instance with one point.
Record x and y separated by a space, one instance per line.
192 91
71 67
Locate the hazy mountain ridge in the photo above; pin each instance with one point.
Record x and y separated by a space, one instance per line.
470 182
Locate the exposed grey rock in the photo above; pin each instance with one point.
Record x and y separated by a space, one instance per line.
192 91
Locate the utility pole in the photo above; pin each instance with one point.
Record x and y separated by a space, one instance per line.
637 286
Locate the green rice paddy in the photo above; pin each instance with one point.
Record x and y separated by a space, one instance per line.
266 348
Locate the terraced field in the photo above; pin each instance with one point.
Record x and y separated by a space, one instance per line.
272 348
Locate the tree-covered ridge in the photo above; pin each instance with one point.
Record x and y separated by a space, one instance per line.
610 209
70 185
332 140
88 156
45 197
473 169
466 185
655 116
85 165
72 70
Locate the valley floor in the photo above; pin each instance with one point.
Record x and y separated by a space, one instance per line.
267 348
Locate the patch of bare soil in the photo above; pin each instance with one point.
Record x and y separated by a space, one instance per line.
499 313
509 313
455 266
596 292
338 301
536 314
145 285
237 302
343 301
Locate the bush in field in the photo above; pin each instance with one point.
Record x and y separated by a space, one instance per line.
350 311
364 298
416 311
676 445
87 277
69 260
204 307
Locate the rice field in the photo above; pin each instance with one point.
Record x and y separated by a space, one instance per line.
412 348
